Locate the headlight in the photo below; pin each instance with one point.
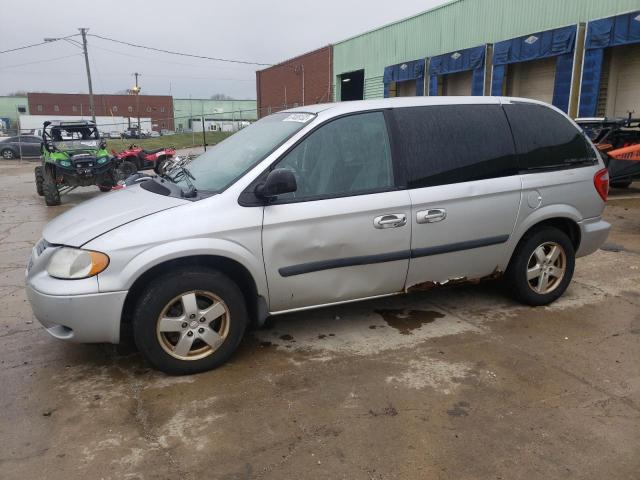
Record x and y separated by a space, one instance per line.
103 160
65 163
75 263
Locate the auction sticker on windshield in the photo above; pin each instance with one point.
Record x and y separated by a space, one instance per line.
298 117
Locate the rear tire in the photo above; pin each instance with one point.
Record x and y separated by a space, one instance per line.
50 189
202 308
39 181
542 266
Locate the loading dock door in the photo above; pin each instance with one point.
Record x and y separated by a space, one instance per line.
623 92
457 84
352 87
406 89
534 79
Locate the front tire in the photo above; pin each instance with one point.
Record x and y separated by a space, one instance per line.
39 181
50 188
108 182
126 169
541 267
189 321
159 166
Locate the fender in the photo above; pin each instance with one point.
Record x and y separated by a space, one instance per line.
123 278
544 213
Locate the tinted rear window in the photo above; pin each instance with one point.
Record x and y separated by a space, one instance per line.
453 143
545 139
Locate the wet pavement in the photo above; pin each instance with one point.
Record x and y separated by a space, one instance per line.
457 383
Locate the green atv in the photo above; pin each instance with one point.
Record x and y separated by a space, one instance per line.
73 155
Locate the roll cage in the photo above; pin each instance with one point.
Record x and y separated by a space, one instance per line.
59 135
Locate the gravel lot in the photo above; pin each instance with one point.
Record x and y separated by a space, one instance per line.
457 383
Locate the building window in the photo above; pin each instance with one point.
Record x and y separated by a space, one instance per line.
56 108
22 109
130 108
39 108
114 108
148 109
74 108
162 109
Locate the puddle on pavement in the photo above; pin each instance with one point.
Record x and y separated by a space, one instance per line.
405 321
612 247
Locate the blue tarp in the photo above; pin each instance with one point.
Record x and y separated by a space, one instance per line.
460 61
403 72
601 34
558 43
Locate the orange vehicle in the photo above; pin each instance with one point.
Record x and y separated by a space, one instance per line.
619 142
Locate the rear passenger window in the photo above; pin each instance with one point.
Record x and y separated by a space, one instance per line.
447 144
545 139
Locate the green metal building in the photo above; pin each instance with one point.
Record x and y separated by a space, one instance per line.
218 114
11 108
483 47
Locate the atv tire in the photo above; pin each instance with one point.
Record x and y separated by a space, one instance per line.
159 166
109 183
50 189
126 169
39 181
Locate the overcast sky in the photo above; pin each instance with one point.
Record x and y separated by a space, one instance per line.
265 31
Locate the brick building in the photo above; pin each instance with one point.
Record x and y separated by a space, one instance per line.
157 107
302 80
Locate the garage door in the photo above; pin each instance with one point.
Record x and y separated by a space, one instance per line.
406 89
534 79
457 84
623 94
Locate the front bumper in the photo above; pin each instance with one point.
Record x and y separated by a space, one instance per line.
90 318
593 233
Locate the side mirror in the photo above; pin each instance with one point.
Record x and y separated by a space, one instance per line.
278 182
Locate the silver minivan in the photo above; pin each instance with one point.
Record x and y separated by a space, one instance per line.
322 205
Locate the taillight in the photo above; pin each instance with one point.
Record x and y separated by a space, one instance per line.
601 182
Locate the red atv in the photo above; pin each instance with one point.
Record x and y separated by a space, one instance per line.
135 158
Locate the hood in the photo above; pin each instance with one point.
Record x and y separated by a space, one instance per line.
94 217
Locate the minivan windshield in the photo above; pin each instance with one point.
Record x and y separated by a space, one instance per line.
219 167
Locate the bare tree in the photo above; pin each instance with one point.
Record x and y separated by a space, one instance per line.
220 96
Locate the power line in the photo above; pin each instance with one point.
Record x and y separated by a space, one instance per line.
154 59
244 62
38 44
3 67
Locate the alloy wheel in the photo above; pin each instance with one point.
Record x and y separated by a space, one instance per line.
193 325
546 267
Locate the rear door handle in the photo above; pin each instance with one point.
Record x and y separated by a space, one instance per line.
390 221
432 215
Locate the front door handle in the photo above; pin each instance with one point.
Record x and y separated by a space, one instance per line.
432 215
390 221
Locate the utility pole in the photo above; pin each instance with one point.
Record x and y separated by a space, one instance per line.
137 90
83 31
204 135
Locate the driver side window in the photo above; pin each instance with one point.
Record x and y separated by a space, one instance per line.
350 155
